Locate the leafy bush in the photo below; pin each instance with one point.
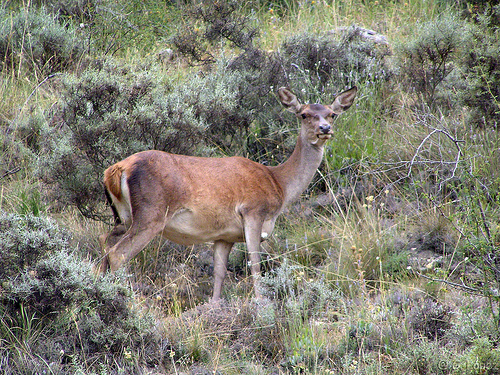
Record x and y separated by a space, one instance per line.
222 22
328 63
25 239
425 358
64 311
427 59
53 283
81 10
215 24
302 297
325 62
34 39
432 320
481 93
473 321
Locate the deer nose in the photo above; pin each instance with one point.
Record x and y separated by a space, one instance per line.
325 128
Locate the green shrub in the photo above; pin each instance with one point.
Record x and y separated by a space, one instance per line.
481 92
482 358
34 39
328 64
53 283
80 10
301 295
55 310
25 239
427 59
215 24
222 22
425 357
472 323
302 301
431 320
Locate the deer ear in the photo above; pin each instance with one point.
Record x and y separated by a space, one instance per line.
289 100
344 100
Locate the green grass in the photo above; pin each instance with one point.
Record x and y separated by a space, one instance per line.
389 263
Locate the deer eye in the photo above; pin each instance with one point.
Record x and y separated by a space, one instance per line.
304 115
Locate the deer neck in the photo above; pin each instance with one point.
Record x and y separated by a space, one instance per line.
295 175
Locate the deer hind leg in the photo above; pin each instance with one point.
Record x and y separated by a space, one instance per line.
108 241
140 233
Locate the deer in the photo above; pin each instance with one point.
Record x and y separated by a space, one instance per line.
192 200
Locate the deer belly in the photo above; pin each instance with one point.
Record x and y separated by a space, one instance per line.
188 228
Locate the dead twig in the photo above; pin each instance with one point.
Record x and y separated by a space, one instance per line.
8 173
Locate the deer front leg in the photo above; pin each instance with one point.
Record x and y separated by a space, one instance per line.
253 235
221 255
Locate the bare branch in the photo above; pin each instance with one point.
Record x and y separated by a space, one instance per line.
448 135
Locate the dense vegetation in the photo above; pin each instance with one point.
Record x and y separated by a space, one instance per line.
390 263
